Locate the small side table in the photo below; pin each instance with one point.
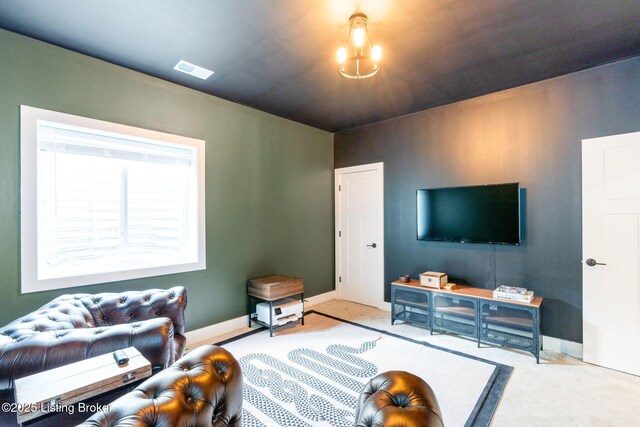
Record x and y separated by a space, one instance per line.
273 288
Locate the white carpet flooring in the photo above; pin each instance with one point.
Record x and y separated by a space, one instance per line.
560 391
331 361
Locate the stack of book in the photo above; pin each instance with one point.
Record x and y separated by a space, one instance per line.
513 293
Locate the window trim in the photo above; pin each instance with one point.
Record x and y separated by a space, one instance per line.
28 217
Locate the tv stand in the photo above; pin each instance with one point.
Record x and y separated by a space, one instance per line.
471 312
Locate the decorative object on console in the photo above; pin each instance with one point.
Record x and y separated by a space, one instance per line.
513 293
404 278
398 398
75 327
433 279
204 388
358 59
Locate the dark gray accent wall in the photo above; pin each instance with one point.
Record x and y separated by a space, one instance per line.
269 181
532 135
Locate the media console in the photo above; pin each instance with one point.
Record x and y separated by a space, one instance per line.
471 312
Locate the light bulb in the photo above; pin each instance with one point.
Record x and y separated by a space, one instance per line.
342 55
358 37
376 53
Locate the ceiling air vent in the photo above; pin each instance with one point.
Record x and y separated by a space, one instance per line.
193 70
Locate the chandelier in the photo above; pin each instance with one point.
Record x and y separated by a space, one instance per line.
358 59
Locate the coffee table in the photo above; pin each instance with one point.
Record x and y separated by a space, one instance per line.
57 389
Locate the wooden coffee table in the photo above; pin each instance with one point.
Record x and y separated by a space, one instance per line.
57 389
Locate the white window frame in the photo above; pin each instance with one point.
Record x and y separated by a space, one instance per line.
29 167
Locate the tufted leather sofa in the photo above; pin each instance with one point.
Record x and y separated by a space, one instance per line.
78 326
204 388
398 399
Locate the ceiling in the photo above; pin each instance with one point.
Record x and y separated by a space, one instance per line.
279 55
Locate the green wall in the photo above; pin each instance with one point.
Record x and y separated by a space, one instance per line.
269 181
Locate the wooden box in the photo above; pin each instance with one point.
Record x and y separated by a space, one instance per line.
433 279
57 389
275 287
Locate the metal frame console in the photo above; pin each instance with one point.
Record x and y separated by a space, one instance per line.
472 312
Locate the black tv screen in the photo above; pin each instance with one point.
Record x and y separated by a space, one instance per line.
475 214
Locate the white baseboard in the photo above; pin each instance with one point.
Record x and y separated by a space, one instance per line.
206 333
573 349
311 301
386 306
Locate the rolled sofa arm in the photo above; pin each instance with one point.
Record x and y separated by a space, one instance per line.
204 388
46 350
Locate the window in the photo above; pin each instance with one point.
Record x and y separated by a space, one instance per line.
104 202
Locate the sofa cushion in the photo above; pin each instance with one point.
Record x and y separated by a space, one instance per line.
126 307
110 308
53 316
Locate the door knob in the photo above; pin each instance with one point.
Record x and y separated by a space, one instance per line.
592 262
373 245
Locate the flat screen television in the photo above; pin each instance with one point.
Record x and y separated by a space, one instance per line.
474 214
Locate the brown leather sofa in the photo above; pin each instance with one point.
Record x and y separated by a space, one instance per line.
398 399
202 389
78 326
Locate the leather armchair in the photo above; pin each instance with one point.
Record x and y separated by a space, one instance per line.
202 389
78 326
398 399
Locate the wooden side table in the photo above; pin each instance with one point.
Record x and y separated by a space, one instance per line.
273 288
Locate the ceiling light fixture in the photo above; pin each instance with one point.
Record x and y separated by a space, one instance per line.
193 69
358 59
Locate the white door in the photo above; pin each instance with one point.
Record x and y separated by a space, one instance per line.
360 234
611 240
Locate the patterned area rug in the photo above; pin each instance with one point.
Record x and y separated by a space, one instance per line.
312 375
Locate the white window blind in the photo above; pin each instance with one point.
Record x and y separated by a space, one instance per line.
110 204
